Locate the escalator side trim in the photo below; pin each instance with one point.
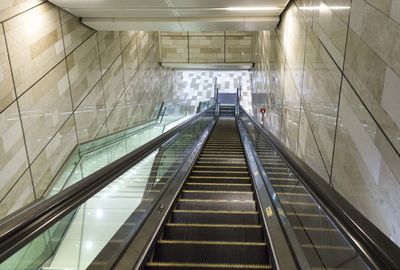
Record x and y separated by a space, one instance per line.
26 224
285 257
374 246
136 253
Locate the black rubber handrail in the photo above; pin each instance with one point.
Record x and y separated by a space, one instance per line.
371 243
23 226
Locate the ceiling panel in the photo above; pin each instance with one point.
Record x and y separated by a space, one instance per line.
189 15
223 13
227 3
110 3
147 13
123 24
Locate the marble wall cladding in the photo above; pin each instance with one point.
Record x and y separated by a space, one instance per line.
320 95
35 44
330 25
83 69
340 62
372 63
293 29
175 49
126 37
20 195
364 170
74 33
145 41
7 94
290 113
130 60
91 115
118 118
308 150
11 8
47 164
70 88
113 85
134 93
206 49
13 160
110 48
238 48
45 108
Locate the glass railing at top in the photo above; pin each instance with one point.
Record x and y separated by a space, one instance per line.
323 244
204 105
92 156
76 240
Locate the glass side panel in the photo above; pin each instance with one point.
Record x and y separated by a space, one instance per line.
76 240
94 155
323 244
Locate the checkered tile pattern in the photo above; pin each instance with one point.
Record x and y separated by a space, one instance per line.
193 86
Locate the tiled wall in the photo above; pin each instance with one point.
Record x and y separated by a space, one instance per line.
61 84
206 47
330 77
193 86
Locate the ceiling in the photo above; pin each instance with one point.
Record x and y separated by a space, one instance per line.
176 15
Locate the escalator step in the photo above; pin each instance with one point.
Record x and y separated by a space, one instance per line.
217 195
220 173
222 148
218 180
216 167
214 217
222 151
216 205
215 223
198 266
211 252
237 233
221 163
240 160
218 186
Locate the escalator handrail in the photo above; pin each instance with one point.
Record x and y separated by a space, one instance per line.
374 246
24 225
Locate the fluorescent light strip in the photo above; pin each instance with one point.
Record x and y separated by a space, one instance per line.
330 7
251 8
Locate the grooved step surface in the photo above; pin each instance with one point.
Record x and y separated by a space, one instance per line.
215 223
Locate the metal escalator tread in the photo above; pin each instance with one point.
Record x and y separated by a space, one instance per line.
215 223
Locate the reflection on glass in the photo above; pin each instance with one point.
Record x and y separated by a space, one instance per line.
94 155
76 240
366 166
323 244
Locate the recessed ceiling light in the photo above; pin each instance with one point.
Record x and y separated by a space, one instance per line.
251 8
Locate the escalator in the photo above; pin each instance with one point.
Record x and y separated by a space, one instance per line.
215 223
215 192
